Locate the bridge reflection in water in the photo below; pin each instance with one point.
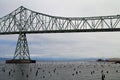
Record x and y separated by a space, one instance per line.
60 71
22 72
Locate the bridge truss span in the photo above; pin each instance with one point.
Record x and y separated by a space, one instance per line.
24 21
28 21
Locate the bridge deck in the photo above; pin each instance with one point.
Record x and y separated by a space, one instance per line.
64 31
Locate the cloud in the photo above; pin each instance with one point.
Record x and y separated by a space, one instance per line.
75 45
76 8
6 50
8 37
68 45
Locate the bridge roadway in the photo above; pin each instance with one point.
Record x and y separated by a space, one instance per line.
64 31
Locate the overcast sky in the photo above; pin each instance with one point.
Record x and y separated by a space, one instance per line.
65 45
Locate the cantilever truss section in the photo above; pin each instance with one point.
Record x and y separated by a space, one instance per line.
28 21
24 21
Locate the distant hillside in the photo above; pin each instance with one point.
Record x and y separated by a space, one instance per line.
65 59
3 59
116 60
57 59
113 59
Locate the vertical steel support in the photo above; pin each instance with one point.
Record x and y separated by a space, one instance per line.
22 50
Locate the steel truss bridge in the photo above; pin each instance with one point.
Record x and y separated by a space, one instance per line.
24 21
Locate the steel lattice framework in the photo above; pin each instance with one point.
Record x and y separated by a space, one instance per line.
24 21
22 51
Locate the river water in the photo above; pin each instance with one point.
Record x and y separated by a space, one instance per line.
60 71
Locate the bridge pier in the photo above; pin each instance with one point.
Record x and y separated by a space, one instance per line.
22 50
21 54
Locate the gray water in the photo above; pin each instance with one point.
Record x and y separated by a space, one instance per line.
60 71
